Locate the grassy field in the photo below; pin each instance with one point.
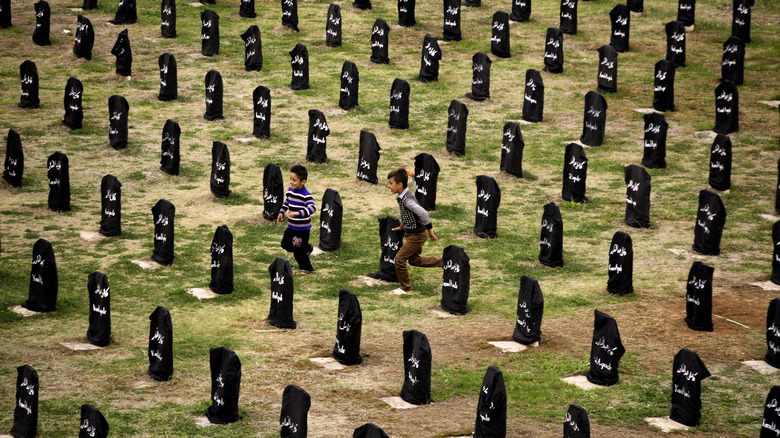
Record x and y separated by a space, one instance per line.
650 320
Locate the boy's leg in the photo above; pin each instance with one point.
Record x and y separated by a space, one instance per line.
287 240
300 242
425 261
411 248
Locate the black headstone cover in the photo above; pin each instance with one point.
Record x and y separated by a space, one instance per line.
551 237
576 423
417 368
290 14
348 328
521 10
687 373
262 112
299 60
533 97
110 206
620 270
553 50
512 146
491 407
225 386
273 191
406 13
686 12
213 83
379 42
362 4
350 84
163 214
220 170
42 295
637 196
606 351
99 331
222 261
368 157
740 24
663 86
281 311
168 18
488 201
74 112
84 39
429 62
118 110
13 170
42 23
575 173
456 280
726 108
655 141
93 423
675 43
331 216
169 156
293 419
480 79
253 49
125 13
426 175
720 163
369 430
333 26
169 88
620 16
28 74
399 104
318 136
594 120
209 34
160 344
770 424
456 128
608 69
473 3
698 297
568 17
390 242
773 332
26 410
636 5
776 258
5 14
247 9
451 30
59 182
530 309
123 53
732 65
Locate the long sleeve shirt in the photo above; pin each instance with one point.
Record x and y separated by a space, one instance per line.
301 201
413 216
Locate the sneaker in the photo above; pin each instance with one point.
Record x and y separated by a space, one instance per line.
304 272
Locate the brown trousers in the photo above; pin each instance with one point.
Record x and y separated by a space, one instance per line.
410 251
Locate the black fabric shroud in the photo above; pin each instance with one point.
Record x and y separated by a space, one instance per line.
608 69
491 407
42 23
290 14
740 19
771 420
123 53
521 10
663 86
512 146
160 349
429 61
213 83
456 278
576 423
169 88
93 423
368 157
225 386
675 43
636 5
222 261
773 333
168 18
273 191
451 30
282 288
637 196
687 373
456 128
350 85
318 137
726 108
26 410
59 182
293 418
28 74
247 9
261 120
42 295
84 39
417 368
379 42
13 168
406 13
568 23
163 214
399 104
620 269
575 173
362 4
125 12
480 79
299 61
333 26
110 206
551 237
99 331
74 111
118 110
5 14
776 259
331 215
348 329
732 64
369 430
488 201
606 351
220 170
553 50
253 49
621 26
209 33
533 97
426 176
698 297
530 309
654 155
169 155
390 242
686 12
720 163
473 3
594 120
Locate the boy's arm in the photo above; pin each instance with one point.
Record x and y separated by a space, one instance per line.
309 210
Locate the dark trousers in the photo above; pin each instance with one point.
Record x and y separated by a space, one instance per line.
297 242
410 251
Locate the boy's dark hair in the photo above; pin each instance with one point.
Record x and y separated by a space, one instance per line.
399 176
300 171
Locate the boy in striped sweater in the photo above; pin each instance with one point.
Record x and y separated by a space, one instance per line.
300 204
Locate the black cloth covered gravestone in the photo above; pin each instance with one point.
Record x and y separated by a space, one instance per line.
84 38
331 215
458 114
110 206
163 214
299 61
636 5
74 111
720 163
318 137
273 191
732 64
726 108
480 79
368 157
225 386
42 23
118 110
390 242
168 18
606 351
740 19
247 9
491 407
209 33
406 13
568 23
42 295
620 270
5 14
512 146
99 331
160 349
369 430
293 419
26 410
350 85
222 261
594 119
576 423
281 311
575 173
123 53
620 16
13 168
213 83
637 196
770 424
551 237
488 201
261 120
429 61
348 329
93 424
451 31
473 3
417 368
399 104
663 86
686 12
333 26
553 50
698 297
169 150
687 373
169 88
59 182
253 49
220 170
379 42
655 141
456 279
533 97
675 43
776 257
530 309
521 10
362 4
426 176
290 14
125 13
28 74
608 69
773 332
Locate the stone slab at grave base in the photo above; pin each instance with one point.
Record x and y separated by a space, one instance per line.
441 313
245 139
316 251
268 330
6 436
399 291
677 251
524 122
576 142
647 110
23 311
144 383
196 5
370 281
770 217
90 236
76 9
689 28
328 363
766 285
80 346
511 346
666 424
146 263
772 103
202 293
398 403
637 14
203 421
65 31
581 382
761 366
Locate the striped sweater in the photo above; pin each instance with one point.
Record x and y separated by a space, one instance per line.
303 202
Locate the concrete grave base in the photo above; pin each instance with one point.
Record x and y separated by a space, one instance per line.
677 251
6 436
328 363
144 384
770 217
761 366
581 382
80 346
245 139
196 5
766 285
576 142
398 403
441 314
146 263
90 236
316 251
65 31
76 9
370 281
637 14
202 293
666 424
268 330
689 28
772 103
203 421
399 291
511 346
647 110
23 311
524 122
